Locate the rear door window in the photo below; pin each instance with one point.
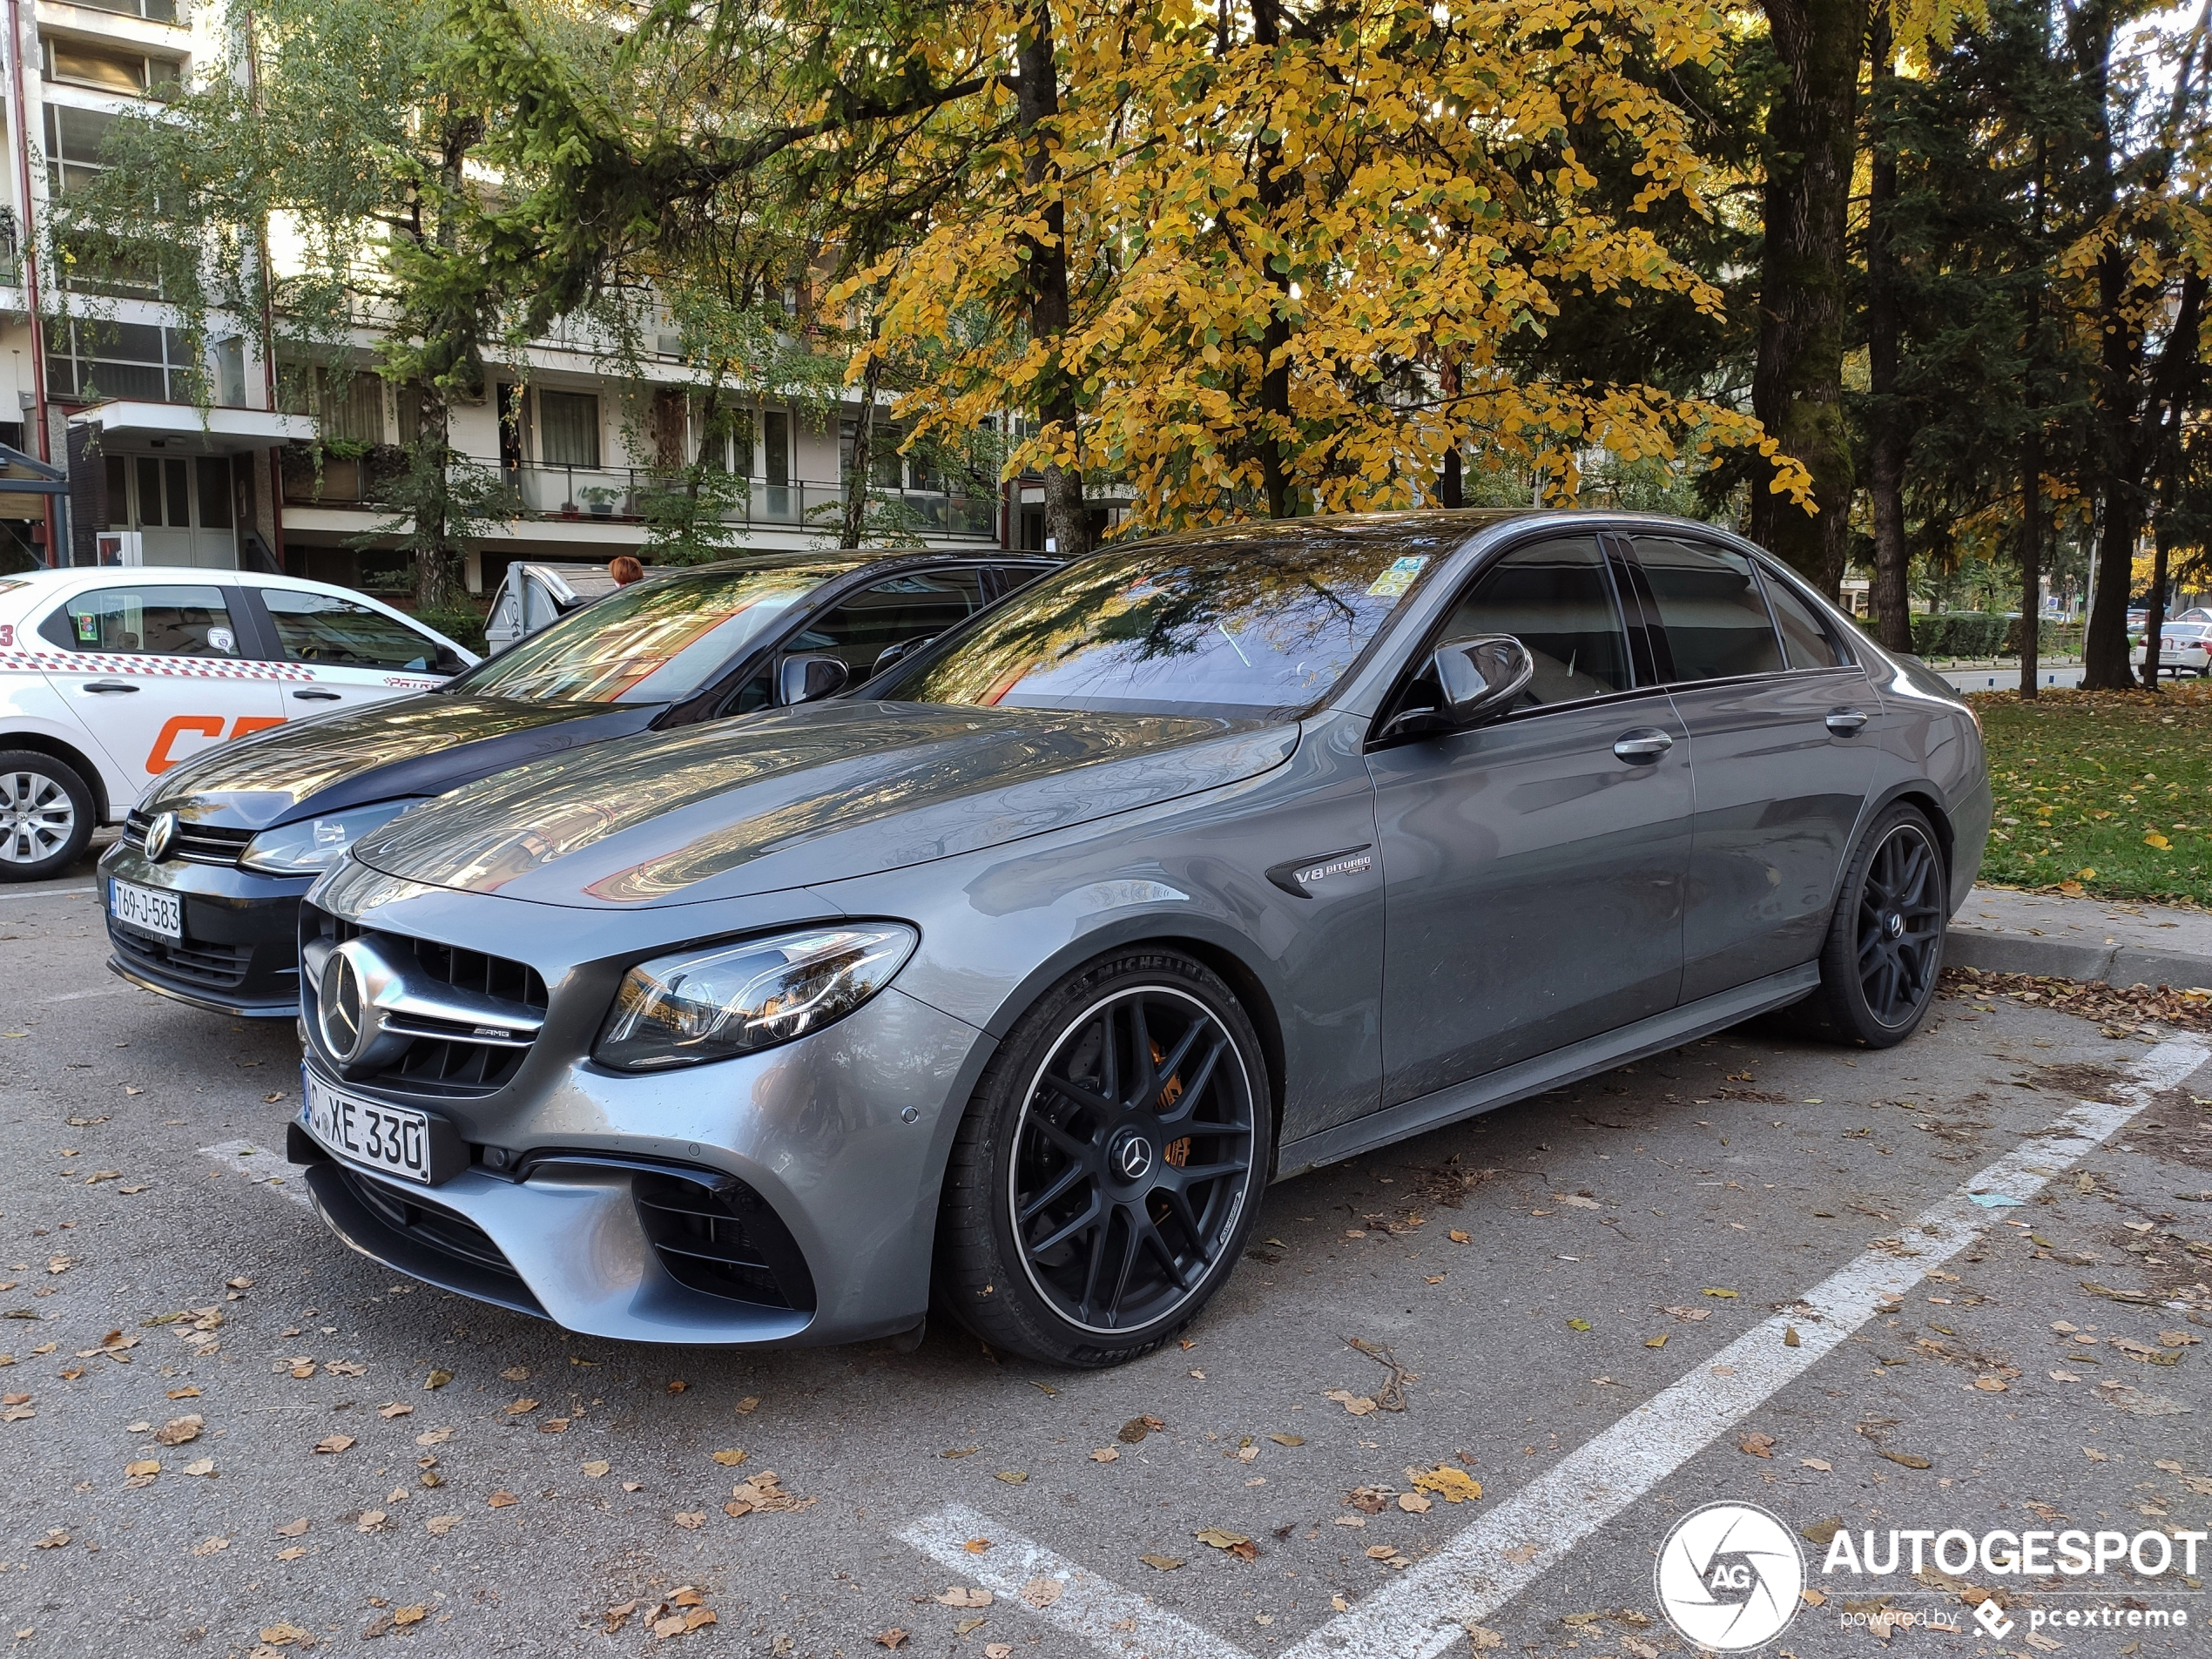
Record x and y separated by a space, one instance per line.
150 620
1715 617
1806 642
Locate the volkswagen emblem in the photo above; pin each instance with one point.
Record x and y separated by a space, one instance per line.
348 1014
159 834
1132 1156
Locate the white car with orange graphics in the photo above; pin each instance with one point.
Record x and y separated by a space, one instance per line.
110 676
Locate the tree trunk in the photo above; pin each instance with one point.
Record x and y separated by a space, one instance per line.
434 554
2154 622
1067 519
1886 448
2031 559
1796 385
2104 641
1278 443
855 526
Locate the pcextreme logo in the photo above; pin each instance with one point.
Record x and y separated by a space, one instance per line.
1729 1577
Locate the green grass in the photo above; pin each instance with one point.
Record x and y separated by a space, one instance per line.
2083 781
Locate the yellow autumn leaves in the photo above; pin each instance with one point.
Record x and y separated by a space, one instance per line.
1303 259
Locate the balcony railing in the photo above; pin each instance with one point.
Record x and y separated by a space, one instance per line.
618 495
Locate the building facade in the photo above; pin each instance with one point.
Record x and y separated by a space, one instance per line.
285 470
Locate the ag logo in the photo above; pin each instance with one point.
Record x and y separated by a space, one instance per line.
1729 1577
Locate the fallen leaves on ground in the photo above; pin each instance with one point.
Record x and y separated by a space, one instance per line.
1135 1429
1234 1543
1692 1315
1454 1486
1107 1454
1042 1592
749 1405
396 1409
1389 1555
1162 1563
1757 1445
293 1528
501 1500
729 1457
764 1493
1012 1477
516 1373
437 1379
285 1634
434 1436
598 1468
691 1520
965 1595
439 1526
890 1638
1358 1405
333 1443
211 1546
178 1430
2112 1006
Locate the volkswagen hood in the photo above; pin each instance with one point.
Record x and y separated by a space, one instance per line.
409 746
820 793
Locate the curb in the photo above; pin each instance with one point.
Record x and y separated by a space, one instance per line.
2122 965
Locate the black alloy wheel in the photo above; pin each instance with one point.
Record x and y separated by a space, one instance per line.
1109 1169
1900 925
1134 1150
1884 952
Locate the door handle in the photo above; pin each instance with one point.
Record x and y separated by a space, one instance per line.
103 688
318 696
1845 722
1643 745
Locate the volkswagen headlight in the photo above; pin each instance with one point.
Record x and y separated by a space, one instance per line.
731 1000
313 845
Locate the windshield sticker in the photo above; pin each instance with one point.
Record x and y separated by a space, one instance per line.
88 626
222 639
1398 578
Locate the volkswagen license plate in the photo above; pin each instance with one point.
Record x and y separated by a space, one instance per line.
147 909
390 1138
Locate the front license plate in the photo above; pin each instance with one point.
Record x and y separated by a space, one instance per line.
146 908
390 1138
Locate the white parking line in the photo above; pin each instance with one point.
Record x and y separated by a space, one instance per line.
1086 1605
262 1167
1426 1608
104 990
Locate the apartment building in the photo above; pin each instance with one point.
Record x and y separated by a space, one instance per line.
103 400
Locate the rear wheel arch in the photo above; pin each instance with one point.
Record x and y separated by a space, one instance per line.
1926 797
74 759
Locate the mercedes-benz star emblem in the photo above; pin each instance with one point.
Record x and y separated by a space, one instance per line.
1133 1158
345 1009
159 834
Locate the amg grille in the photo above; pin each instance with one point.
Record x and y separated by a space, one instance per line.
216 968
715 1234
448 1059
195 843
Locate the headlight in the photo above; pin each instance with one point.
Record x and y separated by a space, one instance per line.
314 844
735 999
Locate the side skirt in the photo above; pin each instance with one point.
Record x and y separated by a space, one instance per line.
1547 1071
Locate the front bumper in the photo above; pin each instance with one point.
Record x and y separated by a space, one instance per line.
241 952
775 1198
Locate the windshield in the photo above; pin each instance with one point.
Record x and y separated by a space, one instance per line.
652 642
1245 623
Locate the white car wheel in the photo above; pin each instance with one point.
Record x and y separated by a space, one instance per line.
46 815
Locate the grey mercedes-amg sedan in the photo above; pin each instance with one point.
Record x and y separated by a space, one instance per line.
1010 981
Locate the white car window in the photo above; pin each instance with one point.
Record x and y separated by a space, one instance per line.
154 621
323 627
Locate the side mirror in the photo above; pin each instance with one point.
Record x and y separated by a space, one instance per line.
1475 678
1482 677
807 678
899 652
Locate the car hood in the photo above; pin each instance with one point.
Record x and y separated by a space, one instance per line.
410 745
813 794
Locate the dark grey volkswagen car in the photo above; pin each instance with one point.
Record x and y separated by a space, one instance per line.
219 851
1202 861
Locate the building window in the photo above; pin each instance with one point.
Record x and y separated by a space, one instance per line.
885 465
88 358
568 428
73 141
106 68
153 10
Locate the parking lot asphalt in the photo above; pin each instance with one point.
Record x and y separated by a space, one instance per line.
1748 1269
